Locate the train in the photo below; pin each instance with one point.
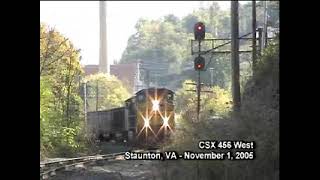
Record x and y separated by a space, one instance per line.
146 118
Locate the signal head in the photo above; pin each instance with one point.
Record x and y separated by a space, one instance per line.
199 63
199 31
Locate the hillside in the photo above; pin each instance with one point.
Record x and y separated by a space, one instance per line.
257 121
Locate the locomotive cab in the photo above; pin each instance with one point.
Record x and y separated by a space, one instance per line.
155 115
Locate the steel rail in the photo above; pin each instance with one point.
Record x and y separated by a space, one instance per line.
70 162
48 169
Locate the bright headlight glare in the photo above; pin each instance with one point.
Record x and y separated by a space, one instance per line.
146 123
155 105
166 121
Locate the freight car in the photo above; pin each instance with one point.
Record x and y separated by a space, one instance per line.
147 117
109 124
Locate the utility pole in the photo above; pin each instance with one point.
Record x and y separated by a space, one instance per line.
211 72
157 80
214 28
260 40
137 77
148 77
265 27
199 33
254 38
85 104
97 95
235 55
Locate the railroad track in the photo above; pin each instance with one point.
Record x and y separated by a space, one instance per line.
48 169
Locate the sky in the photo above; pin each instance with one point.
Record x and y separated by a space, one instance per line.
79 21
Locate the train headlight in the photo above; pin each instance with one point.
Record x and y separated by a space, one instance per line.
166 121
146 123
155 105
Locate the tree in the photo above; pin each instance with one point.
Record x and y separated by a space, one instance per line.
110 91
171 19
215 103
213 10
53 48
257 121
167 41
188 22
60 103
273 12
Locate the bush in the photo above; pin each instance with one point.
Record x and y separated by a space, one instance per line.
257 121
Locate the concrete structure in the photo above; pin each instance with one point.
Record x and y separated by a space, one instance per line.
136 75
91 69
129 74
126 73
103 61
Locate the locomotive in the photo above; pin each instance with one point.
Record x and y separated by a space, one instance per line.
146 118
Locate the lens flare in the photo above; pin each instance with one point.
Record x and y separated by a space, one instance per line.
146 126
146 123
155 105
166 121
165 124
155 100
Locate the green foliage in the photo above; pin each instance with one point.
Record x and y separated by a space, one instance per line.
219 102
269 60
111 92
185 97
60 103
258 121
216 103
188 22
189 130
167 41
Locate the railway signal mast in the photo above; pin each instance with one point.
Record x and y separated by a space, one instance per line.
199 62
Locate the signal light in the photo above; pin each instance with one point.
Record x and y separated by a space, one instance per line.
199 63
199 31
